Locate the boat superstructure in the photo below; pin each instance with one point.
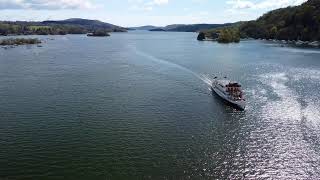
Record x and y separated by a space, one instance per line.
229 91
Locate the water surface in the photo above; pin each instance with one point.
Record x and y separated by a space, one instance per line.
138 105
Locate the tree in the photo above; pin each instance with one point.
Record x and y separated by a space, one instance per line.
225 36
229 35
273 32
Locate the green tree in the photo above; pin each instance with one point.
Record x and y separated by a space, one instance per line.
225 36
273 32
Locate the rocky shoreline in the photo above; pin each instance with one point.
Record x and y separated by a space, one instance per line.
19 41
299 43
13 42
98 34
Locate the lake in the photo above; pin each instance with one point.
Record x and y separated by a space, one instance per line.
138 105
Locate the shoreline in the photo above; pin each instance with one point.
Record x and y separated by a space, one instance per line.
299 43
13 42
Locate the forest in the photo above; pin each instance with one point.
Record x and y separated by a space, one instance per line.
21 29
69 26
291 23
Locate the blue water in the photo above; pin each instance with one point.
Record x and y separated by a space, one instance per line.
138 105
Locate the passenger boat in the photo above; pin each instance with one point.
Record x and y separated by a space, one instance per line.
230 92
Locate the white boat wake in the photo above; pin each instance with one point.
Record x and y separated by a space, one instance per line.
204 78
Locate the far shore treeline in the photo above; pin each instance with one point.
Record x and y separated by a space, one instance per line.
299 23
69 26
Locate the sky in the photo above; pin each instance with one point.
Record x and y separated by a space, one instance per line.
130 13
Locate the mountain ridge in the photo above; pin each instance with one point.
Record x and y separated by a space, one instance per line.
87 23
57 27
181 27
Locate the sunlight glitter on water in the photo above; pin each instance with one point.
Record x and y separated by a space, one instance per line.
287 103
277 148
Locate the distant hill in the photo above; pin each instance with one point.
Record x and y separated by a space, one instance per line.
291 23
69 26
181 27
157 29
147 28
196 27
173 26
87 24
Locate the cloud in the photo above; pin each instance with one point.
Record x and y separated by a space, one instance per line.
46 4
241 4
146 5
265 4
159 2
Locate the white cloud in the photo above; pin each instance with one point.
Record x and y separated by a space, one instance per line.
146 5
45 4
265 4
160 2
240 4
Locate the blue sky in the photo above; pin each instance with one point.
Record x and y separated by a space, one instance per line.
141 12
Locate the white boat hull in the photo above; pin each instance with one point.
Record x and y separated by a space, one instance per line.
239 104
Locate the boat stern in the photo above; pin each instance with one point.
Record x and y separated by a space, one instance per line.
241 104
